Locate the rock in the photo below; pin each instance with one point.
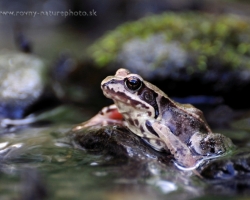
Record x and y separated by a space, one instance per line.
115 141
120 147
142 56
179 51
21 83
237 166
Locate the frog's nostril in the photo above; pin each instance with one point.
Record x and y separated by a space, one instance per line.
105 87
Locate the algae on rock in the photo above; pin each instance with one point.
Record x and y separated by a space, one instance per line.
219 42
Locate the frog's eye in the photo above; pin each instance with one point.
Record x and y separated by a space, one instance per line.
133 83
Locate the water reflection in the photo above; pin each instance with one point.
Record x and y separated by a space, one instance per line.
46 160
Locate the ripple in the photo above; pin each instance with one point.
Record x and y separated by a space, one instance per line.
163 185
5 150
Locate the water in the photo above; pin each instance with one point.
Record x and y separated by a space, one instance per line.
41 163
41 156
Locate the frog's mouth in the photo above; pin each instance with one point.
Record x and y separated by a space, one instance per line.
120 96
112 90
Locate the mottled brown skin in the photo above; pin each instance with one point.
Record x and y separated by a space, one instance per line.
163 123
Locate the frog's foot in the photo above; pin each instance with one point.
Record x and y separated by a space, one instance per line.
210 145
107 116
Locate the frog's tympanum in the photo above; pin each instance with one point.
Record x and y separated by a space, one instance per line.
163 123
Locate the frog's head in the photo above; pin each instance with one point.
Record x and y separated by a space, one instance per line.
130 92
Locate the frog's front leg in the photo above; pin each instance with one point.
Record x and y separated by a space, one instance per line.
178 149
107 116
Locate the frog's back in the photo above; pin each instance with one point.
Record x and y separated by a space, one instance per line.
182 120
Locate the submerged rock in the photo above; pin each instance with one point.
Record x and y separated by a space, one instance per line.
21 83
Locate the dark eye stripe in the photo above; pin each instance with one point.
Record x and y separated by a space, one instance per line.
133 102
153 103
156 111
122 95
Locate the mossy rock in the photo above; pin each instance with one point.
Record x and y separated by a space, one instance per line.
214 41
178 51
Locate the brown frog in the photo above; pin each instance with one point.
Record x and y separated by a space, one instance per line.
161 122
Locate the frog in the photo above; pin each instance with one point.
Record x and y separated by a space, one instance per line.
165 125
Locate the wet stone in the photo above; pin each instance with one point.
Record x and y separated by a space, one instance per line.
116 141
229 175
235 167
21 83
224 175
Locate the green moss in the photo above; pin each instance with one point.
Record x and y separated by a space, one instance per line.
224 39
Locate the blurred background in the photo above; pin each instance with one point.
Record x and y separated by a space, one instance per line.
51 67
175 45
